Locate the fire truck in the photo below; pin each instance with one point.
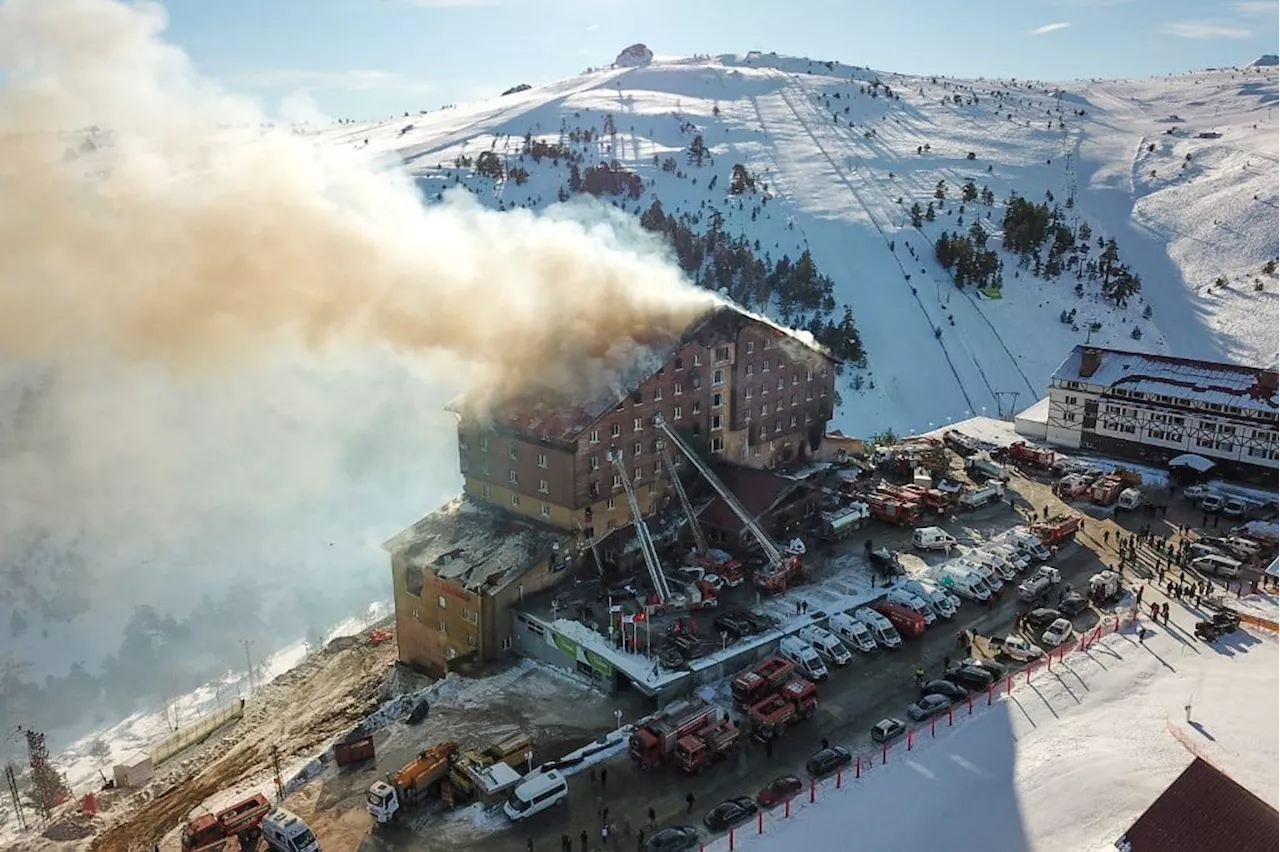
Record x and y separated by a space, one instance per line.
760 680
654 740
241 822
706 746
1055 530
1032 456
797 700
782 568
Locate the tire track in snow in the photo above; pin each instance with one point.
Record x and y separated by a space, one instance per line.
973 301
853 190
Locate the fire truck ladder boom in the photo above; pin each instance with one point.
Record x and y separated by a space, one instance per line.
647 549
771 551
699 537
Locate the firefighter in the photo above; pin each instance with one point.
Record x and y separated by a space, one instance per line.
919 676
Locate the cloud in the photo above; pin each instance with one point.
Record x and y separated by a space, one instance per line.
1202 29
346 80
593 28
1255 8
1049 28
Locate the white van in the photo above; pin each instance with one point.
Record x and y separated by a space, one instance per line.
285 831
1011 554
536 793
943 605
804 656
1130 499
831 649
984 572
932 538
993 562
1219 566
853 631
964 582
1245 548
913 602
881 628
1029 544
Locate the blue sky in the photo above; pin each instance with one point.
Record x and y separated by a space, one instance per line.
370 58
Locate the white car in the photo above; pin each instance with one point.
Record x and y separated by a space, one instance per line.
1057 632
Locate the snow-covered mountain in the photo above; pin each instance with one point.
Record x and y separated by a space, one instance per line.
1181 171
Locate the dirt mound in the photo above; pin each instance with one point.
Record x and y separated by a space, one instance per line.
71 827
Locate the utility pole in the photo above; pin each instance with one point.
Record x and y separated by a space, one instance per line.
248 661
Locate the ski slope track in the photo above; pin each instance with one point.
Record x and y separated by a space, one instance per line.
843 168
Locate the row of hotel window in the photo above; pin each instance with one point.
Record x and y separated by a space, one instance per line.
1179 401
1219 437
545 509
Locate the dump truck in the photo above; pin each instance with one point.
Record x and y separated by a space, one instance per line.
979 497
796 701
242 822
653 742
412 784
1032 456
712 743
983 466
761 679
961 443
1057 529
467 768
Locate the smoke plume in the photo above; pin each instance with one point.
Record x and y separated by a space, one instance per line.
236 342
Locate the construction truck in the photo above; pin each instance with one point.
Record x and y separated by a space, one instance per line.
412 784
712 743
654 740
1032 456
760 680
469 770
781 568
982 466
961 443
979 497
1057 529
796 701
241 822
841 523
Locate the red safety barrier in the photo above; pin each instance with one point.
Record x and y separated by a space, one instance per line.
951 719
813 790
911 738
839 779
884 753
730 838
1048 661
990 690
971 704
1008 684
786 813
1030 666
933 725
857 767
760 821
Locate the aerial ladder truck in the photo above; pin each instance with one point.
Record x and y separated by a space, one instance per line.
782 568
647 548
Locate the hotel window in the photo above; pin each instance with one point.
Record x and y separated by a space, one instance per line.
697 360
484 492
442 602
611 504
617 480
751 346
513 451
594 436
637 425
697 409
542 459
717 444
716 422
717 377
545 511
542 487
717 399
484 467
751 369
722 353
677 413
764 366
677 389
657 394
615 430
512 477
782 382
638 474
594 463
515 500
748 392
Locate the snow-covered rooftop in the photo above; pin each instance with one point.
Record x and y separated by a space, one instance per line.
482 548
1231 385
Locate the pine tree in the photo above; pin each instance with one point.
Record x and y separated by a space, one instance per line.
940 191
915 214
929 215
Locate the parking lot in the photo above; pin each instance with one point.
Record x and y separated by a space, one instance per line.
851 700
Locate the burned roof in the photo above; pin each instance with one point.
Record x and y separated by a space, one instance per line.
1230 385
757 490
483 548
566 421
1204 809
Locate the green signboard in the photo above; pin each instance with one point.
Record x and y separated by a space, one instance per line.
599 663
567 645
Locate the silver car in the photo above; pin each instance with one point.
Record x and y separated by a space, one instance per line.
928 705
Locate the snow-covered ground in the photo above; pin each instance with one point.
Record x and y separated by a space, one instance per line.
842 168
1068 761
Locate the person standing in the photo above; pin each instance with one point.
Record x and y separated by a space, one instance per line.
688 802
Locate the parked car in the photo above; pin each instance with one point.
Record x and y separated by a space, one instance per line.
1056 633
677 838
1235 507
928 705
733 624
759 623
779 790
1211 503
828 760
1073 604
952 691
888 730
1039 619
971 678
730 813
991 667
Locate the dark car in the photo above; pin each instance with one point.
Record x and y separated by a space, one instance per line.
733 624
1039 619
677 838
996 670
971 678
888 730
828 760
945 688
886 562
729 813
779 790
1073 604
759 623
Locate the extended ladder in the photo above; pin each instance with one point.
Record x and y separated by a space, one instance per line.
647 549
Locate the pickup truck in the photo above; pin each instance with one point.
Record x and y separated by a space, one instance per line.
1038 584
1016 648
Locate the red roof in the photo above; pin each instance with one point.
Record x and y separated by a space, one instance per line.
757 490
1203 809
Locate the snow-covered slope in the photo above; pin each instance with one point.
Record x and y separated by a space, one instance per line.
841 154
